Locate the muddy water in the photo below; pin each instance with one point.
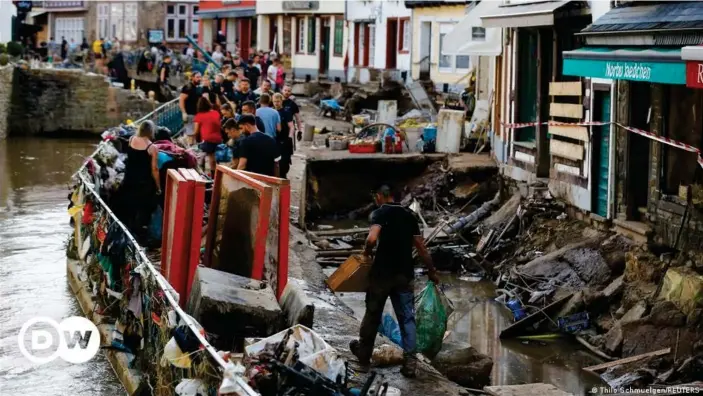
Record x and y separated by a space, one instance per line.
478 320
34 176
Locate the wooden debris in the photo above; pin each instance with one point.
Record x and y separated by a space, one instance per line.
628 360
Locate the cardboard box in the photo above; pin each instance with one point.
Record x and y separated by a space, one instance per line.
352 276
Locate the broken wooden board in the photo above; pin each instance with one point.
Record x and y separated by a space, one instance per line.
566 110
566 150
519 327
537 389
628 360
572 88
570 131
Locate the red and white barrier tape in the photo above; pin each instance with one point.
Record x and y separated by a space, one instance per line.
647 134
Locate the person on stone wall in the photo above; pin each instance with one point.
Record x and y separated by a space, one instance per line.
141 186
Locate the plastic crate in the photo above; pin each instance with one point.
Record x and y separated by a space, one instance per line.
362 148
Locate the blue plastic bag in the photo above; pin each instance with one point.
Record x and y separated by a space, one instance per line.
389 328
156 224
223 153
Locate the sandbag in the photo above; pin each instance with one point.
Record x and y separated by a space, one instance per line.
431 319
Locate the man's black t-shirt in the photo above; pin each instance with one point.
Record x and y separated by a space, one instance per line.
394 254
261 152
164 66
253 73
194 94
290 105
228 88
283 137
236 146
241 97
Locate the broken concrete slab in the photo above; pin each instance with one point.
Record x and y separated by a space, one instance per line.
232 306
614 288
684 287
297 306
505 212
464 365
614 338
538 389
574 305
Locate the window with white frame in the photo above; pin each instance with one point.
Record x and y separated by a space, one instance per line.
405 38
118 19
450 63
372 45
300 31
195 22
180 21
70 28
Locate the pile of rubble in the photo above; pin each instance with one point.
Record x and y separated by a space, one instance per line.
562 278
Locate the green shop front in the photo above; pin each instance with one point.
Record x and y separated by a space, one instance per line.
649 179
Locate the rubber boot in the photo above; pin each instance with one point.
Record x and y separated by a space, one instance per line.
364 362
409 369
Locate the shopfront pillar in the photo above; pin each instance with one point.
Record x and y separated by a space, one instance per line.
622 149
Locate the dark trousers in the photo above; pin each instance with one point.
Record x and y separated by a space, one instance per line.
400 289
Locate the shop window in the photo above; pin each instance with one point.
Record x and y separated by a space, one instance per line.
312 35
682 122
404 35
338 37
300 31
103 20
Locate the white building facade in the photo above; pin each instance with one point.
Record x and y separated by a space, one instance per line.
7 11
313 35
380 39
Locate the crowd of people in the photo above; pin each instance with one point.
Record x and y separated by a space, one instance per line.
255 115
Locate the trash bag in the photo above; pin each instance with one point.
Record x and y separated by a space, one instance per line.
155 224
389 328
431 318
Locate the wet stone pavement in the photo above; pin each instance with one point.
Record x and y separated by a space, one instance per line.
34 177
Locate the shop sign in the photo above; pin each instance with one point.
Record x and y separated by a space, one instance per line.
301 5
655 72
694 74
156 36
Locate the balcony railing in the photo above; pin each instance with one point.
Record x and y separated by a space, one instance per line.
64 5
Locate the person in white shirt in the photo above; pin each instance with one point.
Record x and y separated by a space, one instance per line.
272 71
218 56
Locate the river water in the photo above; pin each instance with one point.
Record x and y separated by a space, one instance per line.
34 179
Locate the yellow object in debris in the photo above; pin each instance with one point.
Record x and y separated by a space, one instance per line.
684 288
75 210
129 122
133 85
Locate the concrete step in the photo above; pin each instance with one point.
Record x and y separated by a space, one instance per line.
635 230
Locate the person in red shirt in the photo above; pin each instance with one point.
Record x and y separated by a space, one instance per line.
207 128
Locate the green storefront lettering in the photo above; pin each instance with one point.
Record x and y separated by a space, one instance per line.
656 72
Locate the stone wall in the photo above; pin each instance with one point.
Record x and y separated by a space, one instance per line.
6 74
46 101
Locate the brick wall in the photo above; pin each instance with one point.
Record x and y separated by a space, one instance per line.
55 101
668 222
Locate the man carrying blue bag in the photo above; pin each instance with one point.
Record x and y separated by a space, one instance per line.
395 230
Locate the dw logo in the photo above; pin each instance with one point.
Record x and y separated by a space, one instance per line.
75 340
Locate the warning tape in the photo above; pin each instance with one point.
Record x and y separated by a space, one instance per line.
647 134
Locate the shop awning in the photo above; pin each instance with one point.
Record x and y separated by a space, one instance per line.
227 13
469 37
523 15
650 64
694 53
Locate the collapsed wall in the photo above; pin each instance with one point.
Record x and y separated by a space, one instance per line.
49 101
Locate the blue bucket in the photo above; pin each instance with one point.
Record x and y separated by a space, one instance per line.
429 133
